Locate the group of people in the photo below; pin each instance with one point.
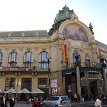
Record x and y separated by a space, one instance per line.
5 100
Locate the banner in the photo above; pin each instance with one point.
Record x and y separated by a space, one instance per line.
54 83
99 55
65 53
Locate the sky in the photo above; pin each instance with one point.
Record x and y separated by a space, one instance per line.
25 15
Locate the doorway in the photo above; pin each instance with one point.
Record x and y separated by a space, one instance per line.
93 89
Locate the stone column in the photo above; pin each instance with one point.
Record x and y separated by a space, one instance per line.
105 80
78 82
18 83
34 82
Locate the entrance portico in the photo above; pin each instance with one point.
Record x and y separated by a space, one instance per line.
90 81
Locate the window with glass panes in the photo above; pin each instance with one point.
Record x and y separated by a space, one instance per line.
43 59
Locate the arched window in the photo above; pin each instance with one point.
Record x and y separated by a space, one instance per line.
1 58
28 59
43 60
13 59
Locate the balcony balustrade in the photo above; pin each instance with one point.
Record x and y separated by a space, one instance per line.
23 69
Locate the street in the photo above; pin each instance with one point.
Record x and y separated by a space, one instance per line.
84 104
22 104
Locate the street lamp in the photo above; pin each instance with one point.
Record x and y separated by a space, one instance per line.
49 60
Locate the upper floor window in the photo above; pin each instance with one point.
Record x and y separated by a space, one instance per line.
74 54
28 59
87 60
1 56
43 59
13 59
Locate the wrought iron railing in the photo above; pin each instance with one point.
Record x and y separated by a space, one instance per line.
24 69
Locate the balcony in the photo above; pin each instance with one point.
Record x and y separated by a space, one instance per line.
70 69
24 70
13 69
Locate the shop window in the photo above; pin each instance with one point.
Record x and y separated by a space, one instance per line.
10 83
26 83
42 81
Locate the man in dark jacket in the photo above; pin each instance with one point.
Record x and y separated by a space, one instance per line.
12 101
3 101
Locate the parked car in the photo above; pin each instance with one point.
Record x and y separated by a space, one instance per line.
57 101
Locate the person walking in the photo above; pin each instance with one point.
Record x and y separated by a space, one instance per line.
36 102
12 101
98 102
3 101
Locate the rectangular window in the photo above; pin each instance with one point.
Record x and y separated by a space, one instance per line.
26 83
87 62
10 83
42 82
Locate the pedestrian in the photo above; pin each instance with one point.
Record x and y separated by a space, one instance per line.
3 101
36 102
75 97
12 101
98 102
0 99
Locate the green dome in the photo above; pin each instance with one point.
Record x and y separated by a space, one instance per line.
65 13
62 15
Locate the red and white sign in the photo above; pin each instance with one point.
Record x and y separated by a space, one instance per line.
54 83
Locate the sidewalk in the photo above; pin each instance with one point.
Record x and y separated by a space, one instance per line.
85 104
73 104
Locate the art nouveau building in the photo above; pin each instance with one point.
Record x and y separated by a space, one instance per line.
25 57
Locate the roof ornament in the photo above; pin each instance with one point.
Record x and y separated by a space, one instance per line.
62 14
91 28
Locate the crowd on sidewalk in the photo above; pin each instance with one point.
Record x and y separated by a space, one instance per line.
6 100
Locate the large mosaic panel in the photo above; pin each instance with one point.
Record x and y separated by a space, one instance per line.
75 32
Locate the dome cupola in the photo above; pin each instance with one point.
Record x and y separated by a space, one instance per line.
64 14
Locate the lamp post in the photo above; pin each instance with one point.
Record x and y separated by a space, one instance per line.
49 60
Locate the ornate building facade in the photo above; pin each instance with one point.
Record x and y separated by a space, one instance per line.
46 60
